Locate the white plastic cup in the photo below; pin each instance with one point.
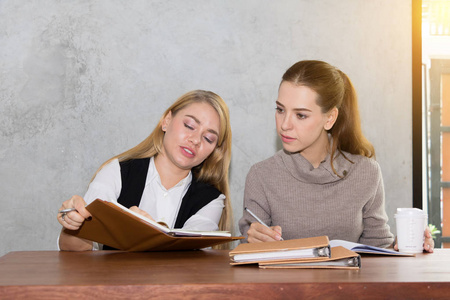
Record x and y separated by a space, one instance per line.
411 224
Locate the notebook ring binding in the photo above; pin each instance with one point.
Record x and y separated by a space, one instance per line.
323 252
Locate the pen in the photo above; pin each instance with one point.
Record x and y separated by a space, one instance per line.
67 210
259 220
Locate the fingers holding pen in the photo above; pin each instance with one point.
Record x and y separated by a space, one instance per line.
260 233
278 230
73 213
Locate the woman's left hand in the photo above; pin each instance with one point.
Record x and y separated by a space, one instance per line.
428 243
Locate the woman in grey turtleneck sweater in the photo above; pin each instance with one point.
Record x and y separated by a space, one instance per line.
325 181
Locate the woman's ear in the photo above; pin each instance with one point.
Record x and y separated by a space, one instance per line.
166 121
331 118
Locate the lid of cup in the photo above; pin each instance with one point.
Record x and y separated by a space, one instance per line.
408 211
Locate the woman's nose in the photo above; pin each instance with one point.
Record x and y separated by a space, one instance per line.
194 139
286 123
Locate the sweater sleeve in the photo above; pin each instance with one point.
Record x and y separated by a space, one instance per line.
255 199
376 230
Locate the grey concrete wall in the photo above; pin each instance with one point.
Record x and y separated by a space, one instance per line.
81 81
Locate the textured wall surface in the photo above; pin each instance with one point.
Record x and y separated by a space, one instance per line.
81 81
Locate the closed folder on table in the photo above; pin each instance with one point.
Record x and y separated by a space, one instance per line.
116 226
307 248
341 258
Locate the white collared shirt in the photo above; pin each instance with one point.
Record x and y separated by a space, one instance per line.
162 204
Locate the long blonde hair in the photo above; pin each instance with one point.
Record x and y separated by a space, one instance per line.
214 169
335 90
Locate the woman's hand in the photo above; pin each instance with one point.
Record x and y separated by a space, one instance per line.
428 243
74 219
141 212
260 233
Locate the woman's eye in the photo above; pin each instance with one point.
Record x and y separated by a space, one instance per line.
188 126
301 116
279 110
209 140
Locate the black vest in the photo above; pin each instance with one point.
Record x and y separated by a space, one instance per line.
134 175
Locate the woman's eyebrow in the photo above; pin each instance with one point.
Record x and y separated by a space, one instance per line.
279 103
200 123
302 109
294 109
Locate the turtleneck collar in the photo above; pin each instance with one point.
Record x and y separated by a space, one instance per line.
301 169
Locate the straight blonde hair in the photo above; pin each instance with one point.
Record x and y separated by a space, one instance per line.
214 169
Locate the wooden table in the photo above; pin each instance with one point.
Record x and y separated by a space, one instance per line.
208 275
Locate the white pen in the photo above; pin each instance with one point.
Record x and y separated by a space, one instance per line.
259 220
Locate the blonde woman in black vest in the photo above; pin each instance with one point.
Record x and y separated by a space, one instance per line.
178 175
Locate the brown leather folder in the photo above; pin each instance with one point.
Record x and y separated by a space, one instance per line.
118 228
341 258
309 248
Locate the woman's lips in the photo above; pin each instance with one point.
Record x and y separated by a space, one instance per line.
286 139
187 151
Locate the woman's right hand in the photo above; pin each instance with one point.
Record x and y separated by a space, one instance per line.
141 212
73 220
260 233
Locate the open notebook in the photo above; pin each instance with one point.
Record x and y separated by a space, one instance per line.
116 226
366 249
167 230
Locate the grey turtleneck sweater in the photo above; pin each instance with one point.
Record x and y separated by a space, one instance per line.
286 190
